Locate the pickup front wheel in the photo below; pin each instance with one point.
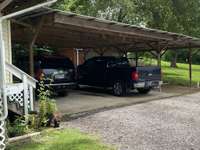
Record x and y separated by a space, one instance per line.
119 88
144 91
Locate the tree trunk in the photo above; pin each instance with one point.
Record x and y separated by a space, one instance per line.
174 60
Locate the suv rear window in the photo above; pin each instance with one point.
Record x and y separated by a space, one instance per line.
54 63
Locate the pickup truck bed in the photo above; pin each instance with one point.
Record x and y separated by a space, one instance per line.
149 77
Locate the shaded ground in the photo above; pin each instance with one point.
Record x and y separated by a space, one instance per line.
89 100
168 124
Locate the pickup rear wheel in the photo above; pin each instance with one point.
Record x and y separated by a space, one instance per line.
119 88
144 91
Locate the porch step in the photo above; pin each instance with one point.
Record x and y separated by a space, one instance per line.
14 108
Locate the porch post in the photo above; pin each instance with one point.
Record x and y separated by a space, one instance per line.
3 98
31 44
8 47
190 66
158 58
2 69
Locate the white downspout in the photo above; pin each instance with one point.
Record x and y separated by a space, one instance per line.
77 57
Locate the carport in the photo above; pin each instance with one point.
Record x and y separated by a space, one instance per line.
60 30
66 30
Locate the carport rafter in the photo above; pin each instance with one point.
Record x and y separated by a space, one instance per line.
24 24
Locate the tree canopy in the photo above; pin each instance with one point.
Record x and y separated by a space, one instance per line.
181 16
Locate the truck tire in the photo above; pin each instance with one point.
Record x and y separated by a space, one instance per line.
144 91
119 88
62 93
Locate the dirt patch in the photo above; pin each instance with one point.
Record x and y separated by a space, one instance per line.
179 89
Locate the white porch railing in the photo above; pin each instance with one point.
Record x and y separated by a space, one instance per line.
21 93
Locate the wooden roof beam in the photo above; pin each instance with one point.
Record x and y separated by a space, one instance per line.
22 24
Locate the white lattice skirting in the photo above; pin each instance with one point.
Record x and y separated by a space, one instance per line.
15 94
2 127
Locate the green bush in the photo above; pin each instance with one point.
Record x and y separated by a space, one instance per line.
34 122
47 107
17 128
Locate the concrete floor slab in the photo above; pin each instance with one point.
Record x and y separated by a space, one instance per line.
90 99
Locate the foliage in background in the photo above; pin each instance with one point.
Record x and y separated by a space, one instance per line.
181 16
179 75
116 10
21 58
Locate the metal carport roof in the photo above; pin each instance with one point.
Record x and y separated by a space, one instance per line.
68 30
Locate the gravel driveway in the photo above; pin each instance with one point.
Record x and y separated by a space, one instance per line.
169 124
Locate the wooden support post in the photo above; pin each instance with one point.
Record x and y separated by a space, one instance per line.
125 54
31 58
24 80
190 66
32 43
136 59
158 58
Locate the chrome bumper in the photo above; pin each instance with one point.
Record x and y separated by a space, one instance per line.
148 84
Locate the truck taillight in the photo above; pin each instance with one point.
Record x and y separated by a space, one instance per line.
39 74
135 76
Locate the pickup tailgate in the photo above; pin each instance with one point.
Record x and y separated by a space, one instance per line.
149 73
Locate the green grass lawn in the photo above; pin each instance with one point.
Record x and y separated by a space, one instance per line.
179 75
61 140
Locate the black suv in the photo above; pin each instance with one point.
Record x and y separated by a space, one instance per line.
58 72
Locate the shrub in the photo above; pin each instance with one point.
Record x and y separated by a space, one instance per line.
47 107
17 128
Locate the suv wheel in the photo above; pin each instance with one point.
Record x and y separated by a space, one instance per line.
119 88
144 91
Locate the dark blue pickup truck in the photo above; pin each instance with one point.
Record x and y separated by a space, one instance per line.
118 74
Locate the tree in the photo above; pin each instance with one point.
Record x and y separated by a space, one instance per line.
116 10
181 16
